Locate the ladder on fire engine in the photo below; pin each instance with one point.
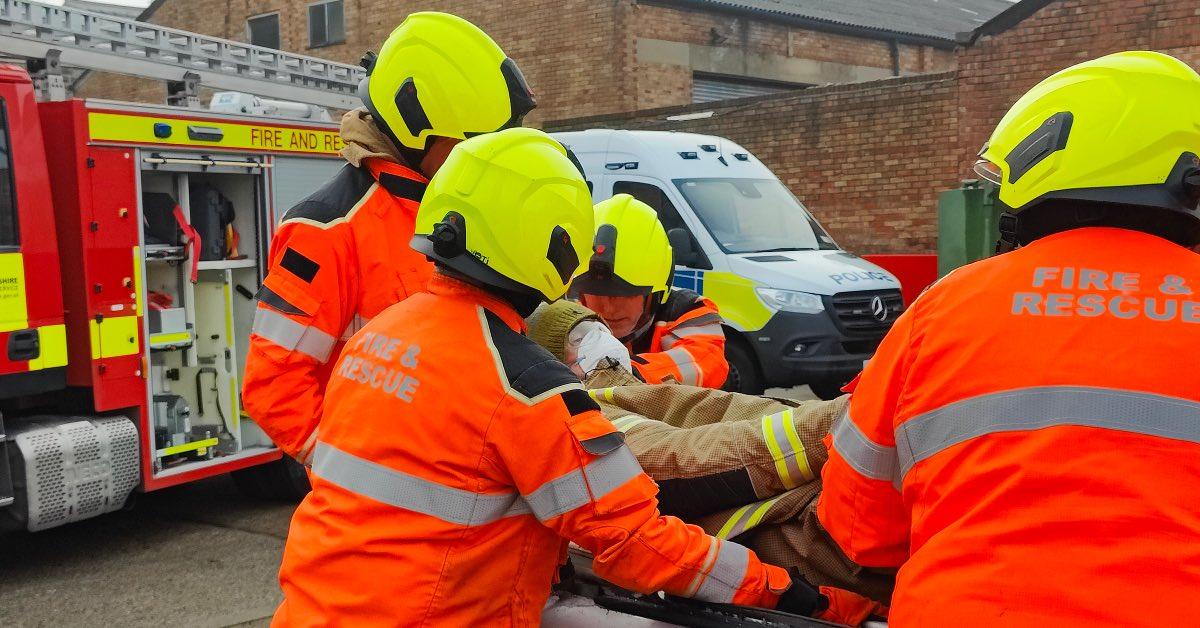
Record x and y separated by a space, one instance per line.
53 35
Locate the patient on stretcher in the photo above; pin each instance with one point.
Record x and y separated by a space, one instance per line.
742 467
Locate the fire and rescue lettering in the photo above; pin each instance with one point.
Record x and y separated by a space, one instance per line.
295 139
388 374
1104 293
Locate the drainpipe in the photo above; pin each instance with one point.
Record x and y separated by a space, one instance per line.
894 48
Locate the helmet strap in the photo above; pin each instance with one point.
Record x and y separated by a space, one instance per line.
649 311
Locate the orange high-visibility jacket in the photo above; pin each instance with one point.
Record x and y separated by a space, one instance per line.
339 258
687 343
455 459
1025 445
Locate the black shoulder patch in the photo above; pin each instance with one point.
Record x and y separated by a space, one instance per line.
402 187
336 198
679 302
531 369
296 263
578 401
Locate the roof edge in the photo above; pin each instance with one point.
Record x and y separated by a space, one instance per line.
812 23
148 12
733 103
1004 20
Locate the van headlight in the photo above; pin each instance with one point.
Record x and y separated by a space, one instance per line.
791 301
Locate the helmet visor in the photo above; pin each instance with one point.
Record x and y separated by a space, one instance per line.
988 171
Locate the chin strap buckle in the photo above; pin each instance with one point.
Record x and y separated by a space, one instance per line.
1008 233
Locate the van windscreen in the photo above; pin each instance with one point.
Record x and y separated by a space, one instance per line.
753 215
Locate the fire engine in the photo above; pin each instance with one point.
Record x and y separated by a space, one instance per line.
133 239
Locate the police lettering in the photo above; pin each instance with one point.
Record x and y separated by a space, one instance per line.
862 275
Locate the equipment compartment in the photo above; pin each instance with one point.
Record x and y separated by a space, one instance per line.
206 277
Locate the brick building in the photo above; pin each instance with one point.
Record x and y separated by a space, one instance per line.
869 159
589 57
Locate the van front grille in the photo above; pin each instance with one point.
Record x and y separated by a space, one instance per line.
866 312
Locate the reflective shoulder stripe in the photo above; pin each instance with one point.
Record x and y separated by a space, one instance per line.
865 456
728 572
702 320
1046 406
570 491
292 335
689 371
399 489
673 336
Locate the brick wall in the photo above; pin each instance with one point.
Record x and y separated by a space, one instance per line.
580 56
867 159
997 70
574 71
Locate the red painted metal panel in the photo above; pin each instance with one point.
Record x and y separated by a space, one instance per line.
152 484
64 127
35 213
915 272
108 262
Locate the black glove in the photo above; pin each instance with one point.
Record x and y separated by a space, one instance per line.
802 598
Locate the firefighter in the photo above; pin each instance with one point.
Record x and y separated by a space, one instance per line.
672 333
341 256
456 457
1025 445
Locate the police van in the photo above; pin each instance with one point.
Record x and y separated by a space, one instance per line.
798 309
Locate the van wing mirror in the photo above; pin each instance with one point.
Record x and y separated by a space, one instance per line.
682 246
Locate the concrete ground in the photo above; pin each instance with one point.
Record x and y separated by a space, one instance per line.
195 555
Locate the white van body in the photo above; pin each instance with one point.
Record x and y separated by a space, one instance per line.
798 309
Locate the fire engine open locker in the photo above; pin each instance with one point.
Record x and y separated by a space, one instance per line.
157 318
133 239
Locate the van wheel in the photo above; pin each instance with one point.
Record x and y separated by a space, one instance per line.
827 389
284 480
743 373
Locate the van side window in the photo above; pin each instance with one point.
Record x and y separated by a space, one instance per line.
653 196
9 236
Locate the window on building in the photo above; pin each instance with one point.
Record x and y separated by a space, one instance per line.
263 30
710 87
326 23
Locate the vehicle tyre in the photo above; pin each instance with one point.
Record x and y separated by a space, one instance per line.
827 389
282 480
743 372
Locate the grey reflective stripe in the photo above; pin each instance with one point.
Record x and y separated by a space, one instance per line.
689 372
399 489
869 458
293 336
1048 406
670 338
709 558
570 491
705 319
727 574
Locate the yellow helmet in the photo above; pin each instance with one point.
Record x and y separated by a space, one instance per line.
630 254
1120 130
508 210
438 74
